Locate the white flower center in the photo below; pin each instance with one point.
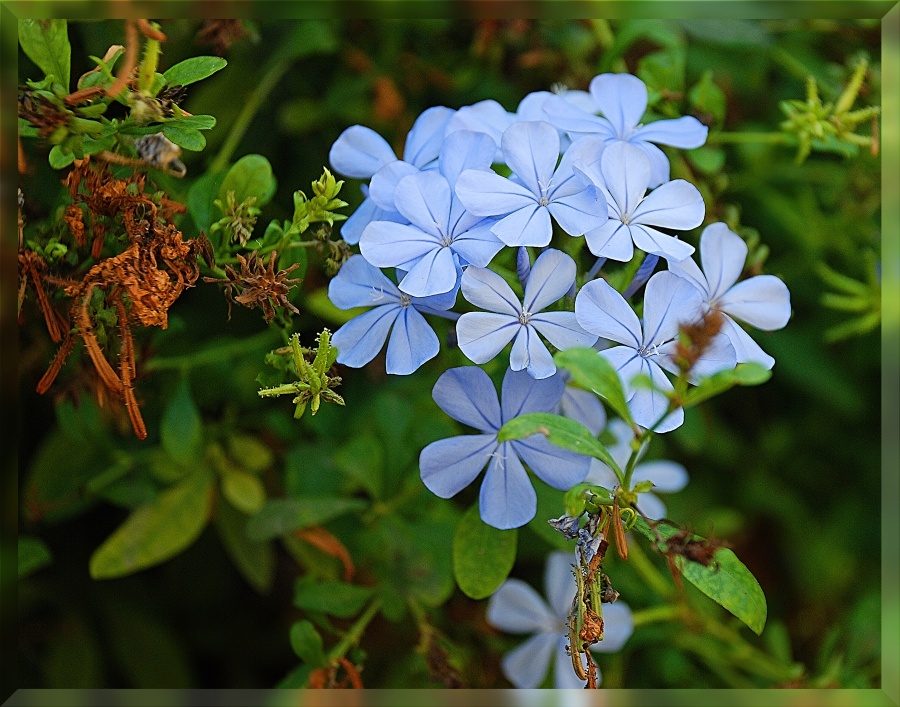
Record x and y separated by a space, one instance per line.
524 317
405 299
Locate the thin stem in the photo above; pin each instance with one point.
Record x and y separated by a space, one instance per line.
211 355
726 138
354 635
644 567
662 612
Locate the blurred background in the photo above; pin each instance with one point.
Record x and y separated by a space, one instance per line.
787 472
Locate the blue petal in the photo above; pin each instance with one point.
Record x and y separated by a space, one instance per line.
626 173
433 274
612 240
722 253
619 625
660 244
507 498
423 144
719 355
482 335
393 245
746 349
581 212
465 149
557 467
686 132
584 407
359 152
669 301
412 343
360 339
530 353
566 116
467 395
559 585
521 393
359 284
488 194
648 405
477 245
651 506
627 363
601 475
367 212
449 465
585 155
601 310
688 269
622 98
677 204
564 677
517 608
551 277
526 666
424 199
762 301
484 117
666 476
384 183
562 330
532 106
487 290
531 150
528 226
659 163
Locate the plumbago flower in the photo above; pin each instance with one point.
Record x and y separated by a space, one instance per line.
762 301
360 153
542 189
507 498
669 301
482 335
441 235
666 476
517 608
412 342
622 98
623 174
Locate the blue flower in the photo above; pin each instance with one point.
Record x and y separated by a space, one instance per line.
531 150
762 301
482 335
360 153
359 284
623 174
667 476
669 301
622 98
517 608
507 498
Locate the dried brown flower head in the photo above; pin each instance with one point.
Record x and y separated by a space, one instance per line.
258 285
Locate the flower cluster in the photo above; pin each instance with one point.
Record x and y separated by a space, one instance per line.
479 180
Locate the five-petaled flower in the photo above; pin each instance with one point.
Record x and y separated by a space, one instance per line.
517 608
507 498
482 335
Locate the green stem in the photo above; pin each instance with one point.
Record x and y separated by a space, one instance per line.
725 138
210 355
253 103
644 567
354 635
662 612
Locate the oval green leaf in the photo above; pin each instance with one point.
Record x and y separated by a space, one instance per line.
254 560
186 138
250 176
333 598
307 644
158 531
181 428
33 555
593 372
194 69
46 43
245 491
483 556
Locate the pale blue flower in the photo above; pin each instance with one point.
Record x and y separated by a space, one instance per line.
507 498
412 340
541 189
622 99
517 608
762 301
482 335
669 301
666 476
623 174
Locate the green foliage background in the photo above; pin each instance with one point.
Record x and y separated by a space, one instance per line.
788 472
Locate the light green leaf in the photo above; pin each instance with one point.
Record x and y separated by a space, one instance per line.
195 122
254 560
250 176
593 372
744 374
46 43
158 531
245 491
482 555
181 428
307 644
250 453
194 69
727 581
561 431
334 598
200 199
33 555
282 515
59 158
187 138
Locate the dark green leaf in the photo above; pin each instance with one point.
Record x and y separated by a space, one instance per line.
482 555
46 43
727 581
283 515
593 372
194 69
361 459
549 506
33 555
561 431
707 97
181 428
187 138
158 531
334 598
307 644
250 176
200 199
296 679
193 122
744 374
255 560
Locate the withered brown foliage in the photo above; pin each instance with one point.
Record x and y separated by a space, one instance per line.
221 34
40 112
696 338
258 285
139 284
684 543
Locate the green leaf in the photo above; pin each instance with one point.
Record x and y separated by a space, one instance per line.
482 555
744 374
307 644
181 428
361 460
33 555
245 491
194 69
727 581
283 515
549 505
254 560
158 531
187 138
250 176
59 158
250 453
334 598
707 97
200 199
593 372
46 43
561 431
195 122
